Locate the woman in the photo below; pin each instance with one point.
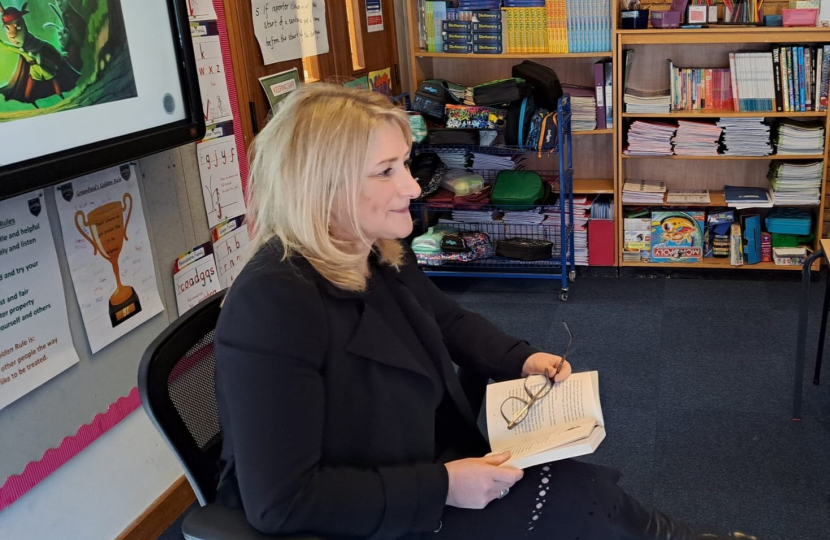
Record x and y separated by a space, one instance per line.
341 412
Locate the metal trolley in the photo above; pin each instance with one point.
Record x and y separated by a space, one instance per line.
561 264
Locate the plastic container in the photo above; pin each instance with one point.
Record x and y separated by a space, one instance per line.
635 19
799 17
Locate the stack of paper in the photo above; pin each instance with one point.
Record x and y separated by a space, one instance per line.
795 183
524 217
646 102
582 213
474 216
688 196
644 192
741 197
745 136
650 139
794 137
696 139
583 107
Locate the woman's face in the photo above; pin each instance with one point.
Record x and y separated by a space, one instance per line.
386 188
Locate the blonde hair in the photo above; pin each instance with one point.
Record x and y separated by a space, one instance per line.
312 150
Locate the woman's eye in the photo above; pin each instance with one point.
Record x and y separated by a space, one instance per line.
387 172
407 164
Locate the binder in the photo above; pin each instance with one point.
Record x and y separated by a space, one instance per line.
601 242
599 83
752 238
609 93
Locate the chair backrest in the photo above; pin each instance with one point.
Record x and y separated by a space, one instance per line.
178 392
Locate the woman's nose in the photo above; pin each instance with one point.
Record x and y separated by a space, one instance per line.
411 187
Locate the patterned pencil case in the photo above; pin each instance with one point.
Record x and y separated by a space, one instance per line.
464 117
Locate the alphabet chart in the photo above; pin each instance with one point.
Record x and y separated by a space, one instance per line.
194 276
230 244
216 104
219 173
201 10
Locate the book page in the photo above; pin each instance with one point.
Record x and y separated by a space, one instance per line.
551 439
574 401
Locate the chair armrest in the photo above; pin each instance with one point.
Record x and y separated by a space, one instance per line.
214 522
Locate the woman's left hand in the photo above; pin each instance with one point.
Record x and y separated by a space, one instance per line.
537 364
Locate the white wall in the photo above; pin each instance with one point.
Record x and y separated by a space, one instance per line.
98 493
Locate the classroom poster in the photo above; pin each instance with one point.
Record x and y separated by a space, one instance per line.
230 247
360 84
381 81
194 277
216 104
374 16
278 85
201 10
219 173
290 30
35 343
108 251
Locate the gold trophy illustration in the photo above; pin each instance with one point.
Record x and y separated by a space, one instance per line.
107 233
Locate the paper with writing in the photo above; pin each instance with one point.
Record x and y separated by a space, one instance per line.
108 251
290 29
35 342
220 178
195 277
230 247
210 67
201 10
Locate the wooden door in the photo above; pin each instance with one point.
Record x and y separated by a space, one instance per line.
353 53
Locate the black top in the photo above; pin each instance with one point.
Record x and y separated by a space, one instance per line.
328 404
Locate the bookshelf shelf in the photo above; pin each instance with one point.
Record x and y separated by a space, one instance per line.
727 114
594 132
516 56
723 34
716 199
709 263
593 186
795 157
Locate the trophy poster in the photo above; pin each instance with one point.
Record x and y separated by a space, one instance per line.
109 255
35 343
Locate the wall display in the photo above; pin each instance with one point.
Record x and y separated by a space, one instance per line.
290 30
201 10
219 173
216 104
381 81
360 84
230 248
374 16
35 343
194 276
278 85
108 251
107 80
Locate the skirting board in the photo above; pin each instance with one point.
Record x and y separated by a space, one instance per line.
164 511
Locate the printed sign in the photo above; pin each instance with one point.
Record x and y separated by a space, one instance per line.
287 30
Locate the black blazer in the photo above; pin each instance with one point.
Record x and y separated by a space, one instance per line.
319 401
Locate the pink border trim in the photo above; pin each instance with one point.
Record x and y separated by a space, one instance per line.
221 25
35 472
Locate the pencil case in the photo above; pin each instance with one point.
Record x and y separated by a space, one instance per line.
464 117
525 249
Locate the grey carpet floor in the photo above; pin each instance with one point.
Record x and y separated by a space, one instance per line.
696 384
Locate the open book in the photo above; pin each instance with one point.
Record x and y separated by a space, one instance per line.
565 423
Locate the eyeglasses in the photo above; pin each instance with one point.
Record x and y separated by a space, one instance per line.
536 387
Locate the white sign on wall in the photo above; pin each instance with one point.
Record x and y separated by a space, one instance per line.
290 29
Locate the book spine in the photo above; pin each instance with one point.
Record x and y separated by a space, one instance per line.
709 100
672 87
609 94
790 78
776 70
825 77
599 85
732 75
782 75
819 64
801 104
808 62
769 81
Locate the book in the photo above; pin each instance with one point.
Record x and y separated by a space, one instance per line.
566 423
609 93
688 196
599 84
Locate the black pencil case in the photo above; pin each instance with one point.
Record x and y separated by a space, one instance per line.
452 136
525 249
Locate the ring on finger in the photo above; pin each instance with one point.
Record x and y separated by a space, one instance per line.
503 492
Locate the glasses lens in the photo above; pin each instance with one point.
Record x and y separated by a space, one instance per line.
537 386
514 410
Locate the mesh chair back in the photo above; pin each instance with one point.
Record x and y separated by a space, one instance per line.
177 386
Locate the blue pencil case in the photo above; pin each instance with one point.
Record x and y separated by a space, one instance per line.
789 220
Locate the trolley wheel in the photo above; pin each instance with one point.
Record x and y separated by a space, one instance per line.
563 295
572 276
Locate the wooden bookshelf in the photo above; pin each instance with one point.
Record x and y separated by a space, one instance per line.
594 132
517 56
593 186
706 47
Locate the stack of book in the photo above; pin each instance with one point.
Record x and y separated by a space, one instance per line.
433 14
741 197
583 107
794 137
646 102
745 136
523 217
753 88
694 89
474 216
557 25
800 74
650 139
795 183
589 25
644 192
582 213
696 139
526 26
637 236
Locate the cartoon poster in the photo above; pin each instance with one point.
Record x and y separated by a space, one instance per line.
108 250
35 343
287 31
58 55
360 84
216 104
219 174
230 246
194 277
201 10
381 81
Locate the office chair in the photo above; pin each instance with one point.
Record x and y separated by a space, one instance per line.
176 383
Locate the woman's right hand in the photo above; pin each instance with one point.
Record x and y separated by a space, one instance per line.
474 482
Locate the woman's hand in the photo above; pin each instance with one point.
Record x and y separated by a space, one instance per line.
474 482
538 362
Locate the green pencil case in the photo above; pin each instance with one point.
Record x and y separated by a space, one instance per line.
518 188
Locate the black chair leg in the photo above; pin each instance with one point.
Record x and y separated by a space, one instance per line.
801 344
823 330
